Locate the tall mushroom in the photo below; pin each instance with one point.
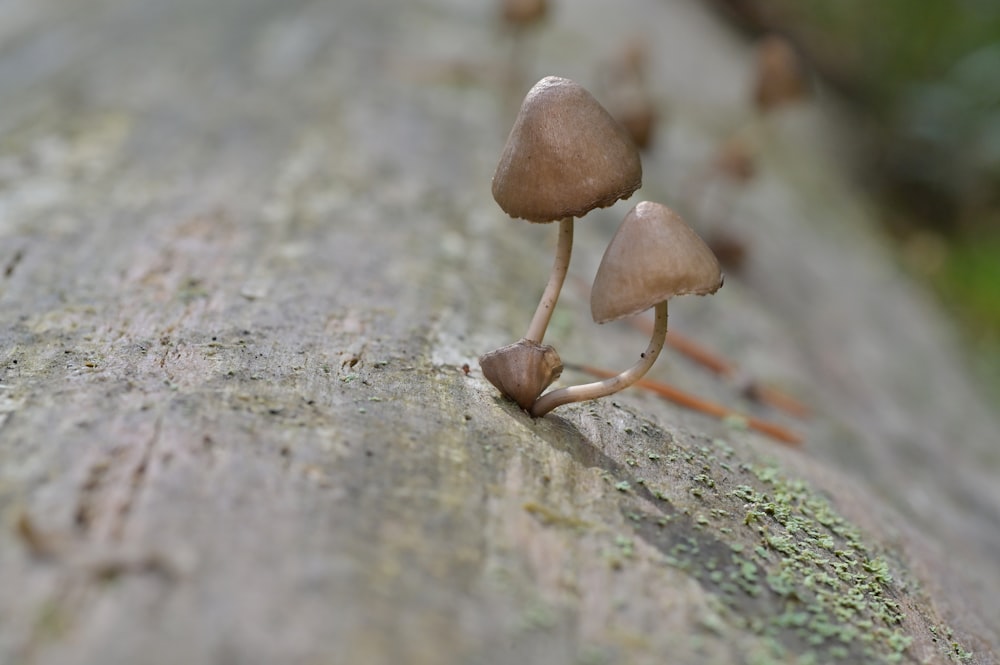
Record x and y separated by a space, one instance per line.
654 256
564 157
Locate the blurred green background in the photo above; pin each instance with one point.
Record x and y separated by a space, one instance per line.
925 77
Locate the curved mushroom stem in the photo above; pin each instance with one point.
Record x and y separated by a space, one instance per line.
564 250
589 391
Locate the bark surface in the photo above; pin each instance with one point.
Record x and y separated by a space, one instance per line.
246 248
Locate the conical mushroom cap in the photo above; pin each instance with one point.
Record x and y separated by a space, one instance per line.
654 256
564 157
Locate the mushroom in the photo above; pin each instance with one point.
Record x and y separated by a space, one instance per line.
523 13
654 256
638 114
780 78
564 157
628 93
519 17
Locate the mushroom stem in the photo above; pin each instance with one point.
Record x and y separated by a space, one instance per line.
588 391
543 313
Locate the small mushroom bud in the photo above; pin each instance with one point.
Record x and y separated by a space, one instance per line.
522 370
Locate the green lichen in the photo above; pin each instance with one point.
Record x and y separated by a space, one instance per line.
954 651
727 451
551 517
625 545
537 617
784 563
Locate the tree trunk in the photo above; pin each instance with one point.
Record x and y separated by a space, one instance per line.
246 249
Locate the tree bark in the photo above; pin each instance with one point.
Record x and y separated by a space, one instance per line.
246 249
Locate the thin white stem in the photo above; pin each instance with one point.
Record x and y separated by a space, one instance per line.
588 391
564 250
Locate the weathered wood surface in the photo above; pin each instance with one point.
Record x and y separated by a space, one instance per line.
245 248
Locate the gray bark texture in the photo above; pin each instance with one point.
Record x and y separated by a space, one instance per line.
246 248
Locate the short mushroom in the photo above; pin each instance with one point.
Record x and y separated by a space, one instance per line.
564 157
654 256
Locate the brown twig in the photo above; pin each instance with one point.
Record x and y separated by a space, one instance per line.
751 388
701 405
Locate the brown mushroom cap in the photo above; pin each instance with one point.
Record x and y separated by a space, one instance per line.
564 157
654 256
